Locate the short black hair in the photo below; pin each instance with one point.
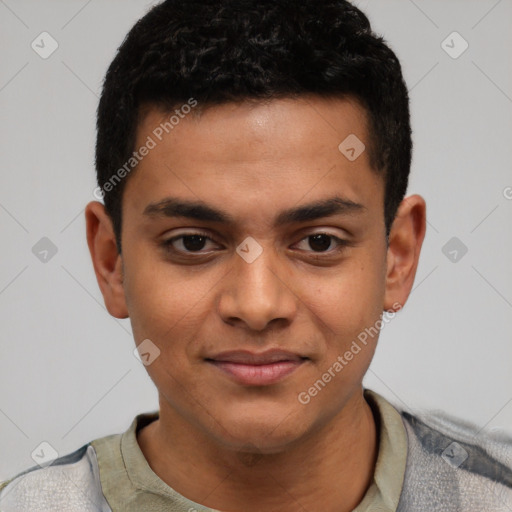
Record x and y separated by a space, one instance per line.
220 51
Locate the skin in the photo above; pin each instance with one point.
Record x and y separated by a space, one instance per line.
222 444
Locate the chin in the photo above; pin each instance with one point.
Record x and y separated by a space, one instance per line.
263 433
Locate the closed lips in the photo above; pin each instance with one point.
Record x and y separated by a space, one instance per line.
249 358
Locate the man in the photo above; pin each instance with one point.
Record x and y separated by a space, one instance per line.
254 160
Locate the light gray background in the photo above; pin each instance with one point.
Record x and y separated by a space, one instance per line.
67 371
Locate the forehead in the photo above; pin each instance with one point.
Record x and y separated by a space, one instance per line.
274 153
278 125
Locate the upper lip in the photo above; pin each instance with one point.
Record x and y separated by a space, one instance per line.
247 357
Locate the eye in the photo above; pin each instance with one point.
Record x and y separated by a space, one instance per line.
321 242
197 243
187 243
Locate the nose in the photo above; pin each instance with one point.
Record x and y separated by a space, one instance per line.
256 294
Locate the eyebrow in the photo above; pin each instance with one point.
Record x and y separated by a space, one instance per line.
198 210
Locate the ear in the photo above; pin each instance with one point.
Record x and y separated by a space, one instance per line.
106 260
405 240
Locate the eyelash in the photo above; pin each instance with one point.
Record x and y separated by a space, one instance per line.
167 244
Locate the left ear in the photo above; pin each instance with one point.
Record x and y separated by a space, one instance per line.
405 240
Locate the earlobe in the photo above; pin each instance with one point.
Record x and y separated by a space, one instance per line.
106 260
405 241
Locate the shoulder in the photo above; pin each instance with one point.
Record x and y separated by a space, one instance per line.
69 483
436 432
450 459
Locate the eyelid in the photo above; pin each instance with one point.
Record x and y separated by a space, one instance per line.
190 232
204 234
167 244
340 242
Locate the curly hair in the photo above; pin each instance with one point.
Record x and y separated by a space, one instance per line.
220 51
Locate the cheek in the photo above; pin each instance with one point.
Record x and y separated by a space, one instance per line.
346 308
350 299
153 298
155 292
168 308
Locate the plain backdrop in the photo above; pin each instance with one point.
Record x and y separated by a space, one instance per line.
67 369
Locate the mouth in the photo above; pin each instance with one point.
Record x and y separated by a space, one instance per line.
253 369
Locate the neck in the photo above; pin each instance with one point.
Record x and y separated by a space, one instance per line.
332 466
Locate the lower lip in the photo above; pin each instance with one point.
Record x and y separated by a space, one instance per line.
258 375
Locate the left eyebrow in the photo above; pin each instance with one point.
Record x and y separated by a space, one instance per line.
198 210
317 210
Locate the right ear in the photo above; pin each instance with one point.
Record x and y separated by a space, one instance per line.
106 259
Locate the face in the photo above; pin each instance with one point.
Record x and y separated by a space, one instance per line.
254 255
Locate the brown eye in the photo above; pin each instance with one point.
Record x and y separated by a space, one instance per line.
319 242
322 243
194 242
187 243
